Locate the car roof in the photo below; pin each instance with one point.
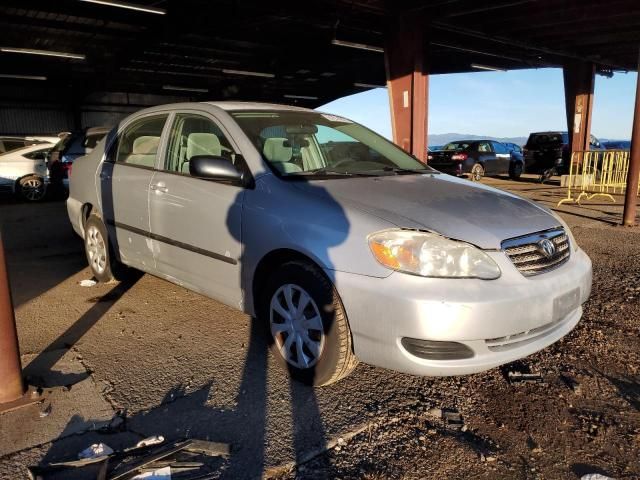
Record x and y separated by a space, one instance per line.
232 106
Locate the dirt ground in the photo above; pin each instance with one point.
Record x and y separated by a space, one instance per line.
171 362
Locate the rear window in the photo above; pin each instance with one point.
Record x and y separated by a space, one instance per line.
92 140
537 139
456 146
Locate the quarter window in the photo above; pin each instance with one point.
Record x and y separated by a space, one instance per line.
194 135
139 143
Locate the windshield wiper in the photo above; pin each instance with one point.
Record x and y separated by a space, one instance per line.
328 171
401 171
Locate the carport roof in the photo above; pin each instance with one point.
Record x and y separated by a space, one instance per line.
210 46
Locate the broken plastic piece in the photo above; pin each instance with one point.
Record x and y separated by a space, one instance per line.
149 441
87 283
519 377
96 450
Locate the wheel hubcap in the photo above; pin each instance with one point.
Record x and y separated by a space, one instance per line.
296 326
32 189
96 250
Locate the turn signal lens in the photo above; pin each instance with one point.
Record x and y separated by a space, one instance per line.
431 255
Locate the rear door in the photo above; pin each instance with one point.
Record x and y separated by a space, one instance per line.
195 224
503 157
487 157
124 178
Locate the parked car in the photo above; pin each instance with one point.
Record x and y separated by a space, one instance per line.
476 158
617 145
70 147
547 153
8 144
24 171
344 253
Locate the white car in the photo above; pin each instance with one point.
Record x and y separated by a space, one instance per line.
24 171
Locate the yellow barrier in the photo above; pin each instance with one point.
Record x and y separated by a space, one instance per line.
596 173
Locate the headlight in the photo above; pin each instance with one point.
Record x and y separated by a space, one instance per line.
431 255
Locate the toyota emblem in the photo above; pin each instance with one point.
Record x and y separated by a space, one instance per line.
547 247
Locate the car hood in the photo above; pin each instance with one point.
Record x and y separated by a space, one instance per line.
453 207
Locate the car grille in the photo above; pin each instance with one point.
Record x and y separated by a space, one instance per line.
529 256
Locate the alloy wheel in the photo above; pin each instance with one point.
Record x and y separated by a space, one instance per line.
296 326
96 249
32 189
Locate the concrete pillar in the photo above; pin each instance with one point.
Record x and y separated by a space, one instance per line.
579 80
631 195
408 84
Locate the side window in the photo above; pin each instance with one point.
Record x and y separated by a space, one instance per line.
193 135
499 147
484 147
139 143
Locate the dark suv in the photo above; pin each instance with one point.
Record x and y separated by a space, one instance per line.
547 153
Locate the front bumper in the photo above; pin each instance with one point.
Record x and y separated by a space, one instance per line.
500 320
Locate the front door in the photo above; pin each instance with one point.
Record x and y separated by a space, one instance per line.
195 224
124 178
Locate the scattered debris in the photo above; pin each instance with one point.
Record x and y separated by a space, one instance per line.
595 476
148 460
452 418
88 282
163 473
95 451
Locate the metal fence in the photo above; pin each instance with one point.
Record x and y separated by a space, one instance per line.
596 174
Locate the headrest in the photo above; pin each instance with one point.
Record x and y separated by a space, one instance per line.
203 144
277 149
145 145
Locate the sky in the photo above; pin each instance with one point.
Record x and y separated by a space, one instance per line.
501 104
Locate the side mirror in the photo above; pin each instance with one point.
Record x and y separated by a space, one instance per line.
211 167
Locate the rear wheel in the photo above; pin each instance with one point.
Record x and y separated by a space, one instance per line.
477 172
515 171
307 325
31 188
99 252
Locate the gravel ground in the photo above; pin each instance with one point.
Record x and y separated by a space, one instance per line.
175 363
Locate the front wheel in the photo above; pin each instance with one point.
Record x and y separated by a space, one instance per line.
31 188
477 172
307 324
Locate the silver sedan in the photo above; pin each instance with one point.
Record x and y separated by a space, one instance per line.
345 246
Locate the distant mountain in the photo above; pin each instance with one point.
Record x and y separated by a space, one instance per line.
444 138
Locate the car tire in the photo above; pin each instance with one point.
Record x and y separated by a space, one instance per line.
515 170
477 172
315 356
99 251
31 188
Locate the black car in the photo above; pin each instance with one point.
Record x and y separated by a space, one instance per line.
477 158
547 153
69 148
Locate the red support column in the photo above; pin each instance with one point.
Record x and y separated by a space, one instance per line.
408 85
579 81
11 384
631 195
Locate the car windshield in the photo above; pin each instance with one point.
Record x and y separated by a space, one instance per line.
456 146
310 143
